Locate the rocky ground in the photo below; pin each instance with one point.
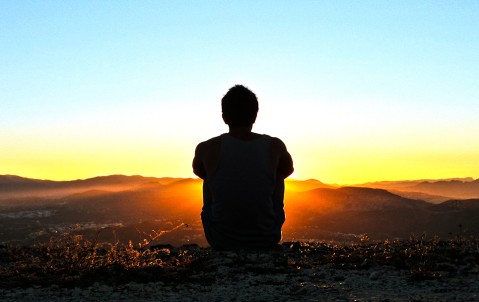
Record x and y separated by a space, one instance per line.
411 271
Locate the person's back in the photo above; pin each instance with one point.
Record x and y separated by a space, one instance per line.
243 176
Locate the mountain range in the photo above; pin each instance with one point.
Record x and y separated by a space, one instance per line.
459 188
123 208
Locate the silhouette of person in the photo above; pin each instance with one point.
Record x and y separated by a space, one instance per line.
243 173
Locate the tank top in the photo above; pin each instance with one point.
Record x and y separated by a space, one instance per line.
240 208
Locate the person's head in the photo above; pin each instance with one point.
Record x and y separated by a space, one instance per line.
239 106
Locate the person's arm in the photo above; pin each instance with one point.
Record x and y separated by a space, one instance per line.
198 165
285 162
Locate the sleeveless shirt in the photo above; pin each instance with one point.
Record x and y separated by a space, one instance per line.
240 208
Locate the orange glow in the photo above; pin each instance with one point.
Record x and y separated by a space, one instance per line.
313 210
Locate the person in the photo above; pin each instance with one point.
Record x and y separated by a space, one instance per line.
243 179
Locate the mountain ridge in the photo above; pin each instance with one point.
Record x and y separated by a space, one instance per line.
128 207
452 188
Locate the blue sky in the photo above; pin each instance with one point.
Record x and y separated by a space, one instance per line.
348 85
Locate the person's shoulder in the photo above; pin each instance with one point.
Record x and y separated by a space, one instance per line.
285 162
209 144
277 143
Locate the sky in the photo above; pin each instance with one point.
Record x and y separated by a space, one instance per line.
359 91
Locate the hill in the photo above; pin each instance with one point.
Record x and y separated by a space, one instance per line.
460 188
351 211
305 185
123 208
12 186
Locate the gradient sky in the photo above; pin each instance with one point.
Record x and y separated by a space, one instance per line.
358 90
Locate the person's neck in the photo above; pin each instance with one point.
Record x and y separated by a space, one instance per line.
242 133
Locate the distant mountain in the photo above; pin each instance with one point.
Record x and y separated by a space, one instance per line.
460 188
126 208
13 180
354 199
354 211
19 187
304 185
452 188
130 214
408 183
433 199
379 213
463 204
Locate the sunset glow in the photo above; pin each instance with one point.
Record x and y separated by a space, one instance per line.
358 91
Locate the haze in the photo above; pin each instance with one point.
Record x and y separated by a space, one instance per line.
128 208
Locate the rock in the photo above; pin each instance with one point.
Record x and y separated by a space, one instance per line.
54 287
366 264
338 278
76 293
375 275
223 270
104 289
446 266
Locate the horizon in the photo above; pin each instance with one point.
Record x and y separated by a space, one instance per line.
120 207
287 179
359 92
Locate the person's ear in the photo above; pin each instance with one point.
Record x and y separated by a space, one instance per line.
254 118
225 119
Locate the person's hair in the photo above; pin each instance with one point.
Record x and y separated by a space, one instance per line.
239 106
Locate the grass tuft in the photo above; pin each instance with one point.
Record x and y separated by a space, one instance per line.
71 260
